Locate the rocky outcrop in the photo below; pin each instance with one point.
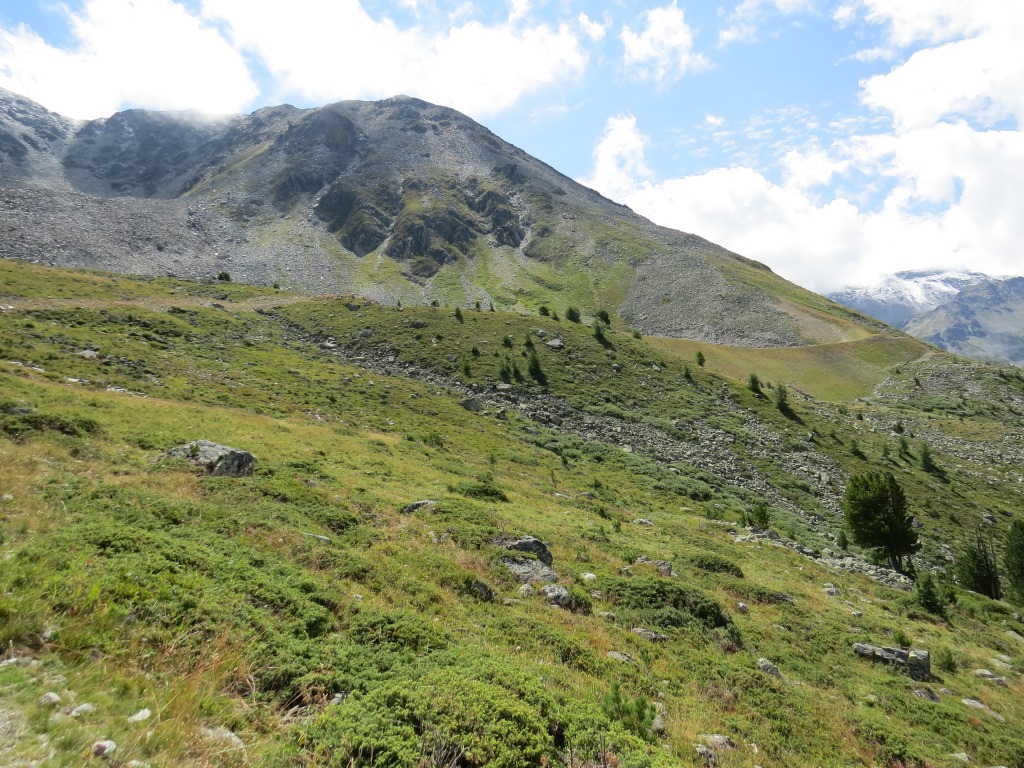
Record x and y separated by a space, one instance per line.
917 662
217 459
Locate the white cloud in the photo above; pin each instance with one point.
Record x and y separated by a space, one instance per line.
742 24
149 53
619 159
346 53
663 52
715 121
953 203
592 29
518 9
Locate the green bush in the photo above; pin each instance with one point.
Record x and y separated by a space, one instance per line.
927 594
224 277
636 715
665 603
716 564
572 315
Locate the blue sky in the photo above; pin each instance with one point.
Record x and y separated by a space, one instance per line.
834 140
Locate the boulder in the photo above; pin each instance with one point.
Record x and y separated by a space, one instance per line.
620 656
103 748
216 458
664 566
917 662
555 344
528 570
557 595
417 505
768 668
481 591
716 741
529 544
650 634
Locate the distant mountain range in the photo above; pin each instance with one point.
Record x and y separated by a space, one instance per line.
969 313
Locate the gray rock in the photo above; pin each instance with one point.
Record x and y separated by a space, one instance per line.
473 405
317 536
481 591
216 458
927 695
141 716
705 755
742 608
606 615
768 668
529 544
555 344
917 662
541 333
417 505
83 709
527 570
49 700
588 577
644 522
960 757
620 656
987 674
716 741
527 590
88 354
664 566
501 414
975 704
658 725
650 634
103 748
557 595
223 736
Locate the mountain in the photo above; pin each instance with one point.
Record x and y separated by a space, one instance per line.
984 320
897 298
397 200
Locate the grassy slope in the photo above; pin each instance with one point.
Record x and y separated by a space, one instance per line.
143 582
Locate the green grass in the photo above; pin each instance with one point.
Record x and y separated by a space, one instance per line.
136 581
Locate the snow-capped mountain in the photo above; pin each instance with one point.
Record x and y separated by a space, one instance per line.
895 299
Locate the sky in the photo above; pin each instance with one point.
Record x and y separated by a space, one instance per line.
833 140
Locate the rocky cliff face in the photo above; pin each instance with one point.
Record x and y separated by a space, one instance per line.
396 200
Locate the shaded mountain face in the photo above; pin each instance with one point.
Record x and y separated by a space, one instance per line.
897 298
398 200
984 321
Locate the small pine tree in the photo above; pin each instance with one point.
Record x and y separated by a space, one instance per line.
602 315
458 315
876 515
924 458
782 399
687 375
978 570
224 277
572 315
435 303
759 514
1013 559
754 384
490 306
841 541
699 357
544 311
599 334
903 447
927 594
534 369
476 305
507 341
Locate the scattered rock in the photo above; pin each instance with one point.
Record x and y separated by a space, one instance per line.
644 522
831 589
927 694
856 614
103 748
417 505
917 662
960 757
83 709
527 590
987 674
975 704
141 716
768 668
472 405
705 755
650 634
216 458
588 578
557 595
527 570
317 536
88 354
664 566
606 615
620 656
224 736
49 700
742 608
658 725
529 544
555 344
716 741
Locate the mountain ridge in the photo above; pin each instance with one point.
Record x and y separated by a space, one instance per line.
399 200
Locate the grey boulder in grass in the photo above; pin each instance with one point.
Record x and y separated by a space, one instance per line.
216 458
